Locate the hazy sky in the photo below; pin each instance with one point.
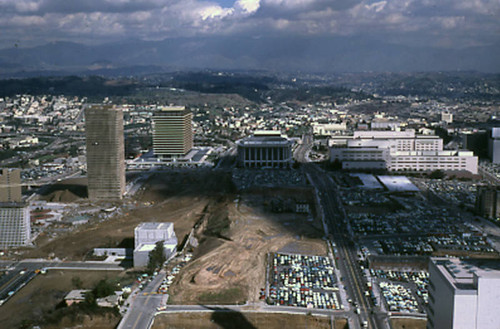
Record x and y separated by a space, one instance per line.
441 23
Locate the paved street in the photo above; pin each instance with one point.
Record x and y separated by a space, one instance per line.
143 307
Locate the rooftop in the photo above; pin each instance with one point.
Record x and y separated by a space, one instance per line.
460 273
154 226
398 183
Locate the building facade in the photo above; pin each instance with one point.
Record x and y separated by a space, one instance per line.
15 228
10 185
463 294
105 152
146 235
265 149
494 145
399 151
172 131
488 202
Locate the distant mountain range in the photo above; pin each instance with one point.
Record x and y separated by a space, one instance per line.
340 54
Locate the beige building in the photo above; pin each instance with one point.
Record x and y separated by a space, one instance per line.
10 185
172 131
105 152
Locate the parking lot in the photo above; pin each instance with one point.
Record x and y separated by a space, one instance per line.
418 280
303 281
399 298
248 178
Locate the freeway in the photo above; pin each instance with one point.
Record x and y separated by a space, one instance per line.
339 233
142 310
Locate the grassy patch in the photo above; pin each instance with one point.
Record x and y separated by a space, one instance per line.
226 296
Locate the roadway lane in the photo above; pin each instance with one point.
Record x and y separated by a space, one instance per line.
338 228
143 308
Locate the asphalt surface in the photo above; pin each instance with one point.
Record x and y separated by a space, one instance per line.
346 253
143 307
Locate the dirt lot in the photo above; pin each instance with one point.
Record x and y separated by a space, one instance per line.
44 292
243 321
408 323
229 264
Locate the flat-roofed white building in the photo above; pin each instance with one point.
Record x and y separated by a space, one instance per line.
328 129
398 151
146 235
463 294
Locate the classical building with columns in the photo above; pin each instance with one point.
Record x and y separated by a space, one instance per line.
265 149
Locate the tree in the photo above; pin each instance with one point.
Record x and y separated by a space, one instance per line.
77 282
156 257
436 174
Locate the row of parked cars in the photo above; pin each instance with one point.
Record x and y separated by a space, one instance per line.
399 298
303 281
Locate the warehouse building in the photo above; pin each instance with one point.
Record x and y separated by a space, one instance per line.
463 294
146 235
265 149
172 132
105 152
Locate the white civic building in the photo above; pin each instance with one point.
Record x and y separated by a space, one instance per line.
398 151
463 294
147 235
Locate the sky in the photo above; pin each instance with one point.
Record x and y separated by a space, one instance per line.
438 23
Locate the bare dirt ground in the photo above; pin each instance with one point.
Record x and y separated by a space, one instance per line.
229 264
408 323
44 292
244 321
182 211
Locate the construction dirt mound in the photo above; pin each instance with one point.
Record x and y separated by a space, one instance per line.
60 196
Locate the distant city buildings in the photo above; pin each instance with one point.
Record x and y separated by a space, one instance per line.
105 152
494 145
328 129
172 131
447 117
147 235
265 149
398 151
488 202
463 294
10 185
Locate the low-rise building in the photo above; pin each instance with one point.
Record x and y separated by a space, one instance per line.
265 149
147 235
399 151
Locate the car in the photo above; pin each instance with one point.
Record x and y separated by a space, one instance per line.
365 324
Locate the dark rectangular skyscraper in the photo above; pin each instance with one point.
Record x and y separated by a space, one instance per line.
105 152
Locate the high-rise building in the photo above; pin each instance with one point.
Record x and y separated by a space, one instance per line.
447 117
463 294
488 202
172 131
15 226
105 152
494 145
10 185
